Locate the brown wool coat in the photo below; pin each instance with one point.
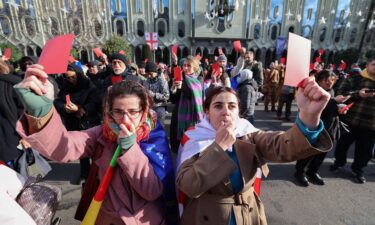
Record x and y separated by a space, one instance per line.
205 177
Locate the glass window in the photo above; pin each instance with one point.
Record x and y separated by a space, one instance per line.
98 28
161 28
140 28
119 27
274 32
353 35
5 26
181 29
30 26
54 26
76 26
322 34
291 29
257 31
337 35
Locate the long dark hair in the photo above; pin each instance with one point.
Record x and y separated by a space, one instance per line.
128 88
216 91
222 77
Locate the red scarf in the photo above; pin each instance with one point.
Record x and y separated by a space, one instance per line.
147 123
116 79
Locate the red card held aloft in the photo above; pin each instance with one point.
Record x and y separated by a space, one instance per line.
55 54
237 46
177 73
174 49
67 99
122 52
8 53
98 52
215 69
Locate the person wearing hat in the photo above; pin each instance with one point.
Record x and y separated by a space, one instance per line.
133 74
94 74
82 111
118 70
158 89
141 68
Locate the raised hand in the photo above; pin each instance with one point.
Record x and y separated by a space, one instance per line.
225 137
36 80
311 100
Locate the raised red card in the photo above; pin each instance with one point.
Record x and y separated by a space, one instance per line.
98 52
71 59
55 54
237 46
215 69
8 53
177 73
122 52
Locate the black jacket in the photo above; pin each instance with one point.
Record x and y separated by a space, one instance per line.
11 109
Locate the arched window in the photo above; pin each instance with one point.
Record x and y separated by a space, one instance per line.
5 26
161 28
337 35
274 32
138 54
29 51
185 52
55 26
120 27
158 55
98 28
166 55
322 34
353 35
257 31
84 56
306 31
38 51
181 29
140 28
76 26
291 29
30 26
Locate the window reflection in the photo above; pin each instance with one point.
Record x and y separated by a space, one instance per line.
181 29
309 17
342 13
257 31
322 34
276 6
140 28
161 28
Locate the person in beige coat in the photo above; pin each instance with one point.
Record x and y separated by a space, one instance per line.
219 157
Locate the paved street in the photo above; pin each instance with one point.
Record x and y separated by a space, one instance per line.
340 201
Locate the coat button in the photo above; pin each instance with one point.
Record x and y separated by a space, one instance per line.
205 218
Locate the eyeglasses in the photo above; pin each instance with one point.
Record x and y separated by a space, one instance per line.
119 114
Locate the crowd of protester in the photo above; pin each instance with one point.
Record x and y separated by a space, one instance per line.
112 101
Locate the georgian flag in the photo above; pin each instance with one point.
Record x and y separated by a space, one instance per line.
152 40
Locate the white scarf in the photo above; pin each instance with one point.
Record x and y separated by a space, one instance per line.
196 140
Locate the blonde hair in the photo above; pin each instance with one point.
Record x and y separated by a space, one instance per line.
4 68
194 62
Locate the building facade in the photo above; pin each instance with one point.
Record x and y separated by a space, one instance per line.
198 27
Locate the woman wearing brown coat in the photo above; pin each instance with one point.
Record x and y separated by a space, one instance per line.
220 156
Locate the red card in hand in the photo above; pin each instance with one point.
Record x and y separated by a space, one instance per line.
174 49
55 54
98 52
237 46
177 73
67 99
198 57
345 108
146 60
215 69
8 53
122 52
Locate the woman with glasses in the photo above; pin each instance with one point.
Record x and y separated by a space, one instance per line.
142 188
